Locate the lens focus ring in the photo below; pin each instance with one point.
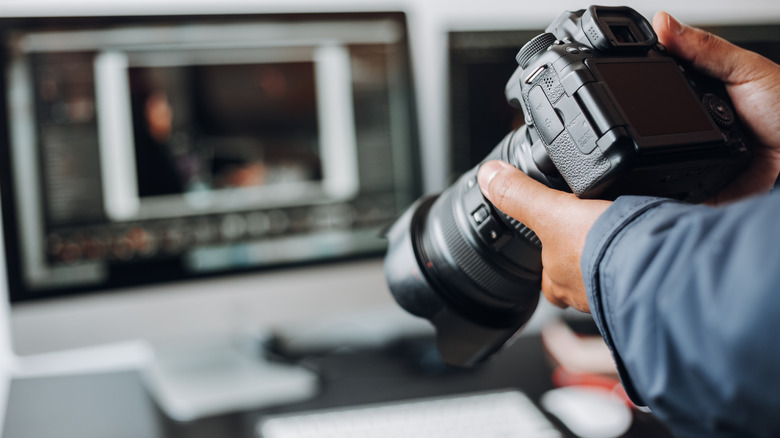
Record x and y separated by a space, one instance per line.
474 265
523 231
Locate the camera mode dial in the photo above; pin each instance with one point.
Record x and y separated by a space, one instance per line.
537 45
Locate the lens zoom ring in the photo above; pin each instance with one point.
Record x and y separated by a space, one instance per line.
470 262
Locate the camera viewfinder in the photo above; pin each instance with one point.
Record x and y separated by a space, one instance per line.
622 34
618 28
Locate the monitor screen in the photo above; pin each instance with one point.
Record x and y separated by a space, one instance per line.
147 149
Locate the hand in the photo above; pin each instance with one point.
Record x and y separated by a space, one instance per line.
562 221
753 83
559 219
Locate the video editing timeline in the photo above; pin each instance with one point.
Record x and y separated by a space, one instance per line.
155 149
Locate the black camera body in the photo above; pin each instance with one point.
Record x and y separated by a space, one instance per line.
608 112
615 114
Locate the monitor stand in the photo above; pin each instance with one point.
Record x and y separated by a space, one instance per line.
206 378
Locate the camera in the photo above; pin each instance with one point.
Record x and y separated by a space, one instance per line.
608 112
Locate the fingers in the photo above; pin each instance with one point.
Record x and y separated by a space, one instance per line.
753 83
518 195
560 220
707 52
544 210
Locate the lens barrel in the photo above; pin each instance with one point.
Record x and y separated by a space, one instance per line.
466 266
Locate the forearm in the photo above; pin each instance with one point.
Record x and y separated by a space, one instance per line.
685 297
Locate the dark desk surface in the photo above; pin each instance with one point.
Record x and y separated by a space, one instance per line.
116 405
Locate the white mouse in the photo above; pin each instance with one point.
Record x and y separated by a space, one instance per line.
588 412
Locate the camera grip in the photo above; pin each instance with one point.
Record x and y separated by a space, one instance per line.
582 172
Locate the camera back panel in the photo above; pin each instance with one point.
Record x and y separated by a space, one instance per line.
480 61
618 115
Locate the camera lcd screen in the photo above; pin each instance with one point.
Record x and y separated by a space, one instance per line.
654 97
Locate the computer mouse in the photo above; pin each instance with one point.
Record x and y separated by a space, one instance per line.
588 412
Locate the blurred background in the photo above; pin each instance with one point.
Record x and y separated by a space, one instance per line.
215 176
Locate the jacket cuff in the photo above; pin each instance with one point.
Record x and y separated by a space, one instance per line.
615 220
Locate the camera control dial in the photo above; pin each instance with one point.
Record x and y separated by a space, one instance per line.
719 110
537 45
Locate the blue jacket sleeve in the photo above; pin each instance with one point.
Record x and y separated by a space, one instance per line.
688 299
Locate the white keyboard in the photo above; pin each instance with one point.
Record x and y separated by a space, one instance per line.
505 414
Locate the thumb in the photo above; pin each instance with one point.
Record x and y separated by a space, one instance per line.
709 53
547 211
519 195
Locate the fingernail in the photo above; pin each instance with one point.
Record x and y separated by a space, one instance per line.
675 26
487 172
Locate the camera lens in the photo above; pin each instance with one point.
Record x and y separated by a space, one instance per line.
471 269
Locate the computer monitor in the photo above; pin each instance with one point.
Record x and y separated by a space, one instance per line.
185 175
142 149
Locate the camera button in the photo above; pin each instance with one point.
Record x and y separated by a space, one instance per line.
480 214
492 234
573 50
535 74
